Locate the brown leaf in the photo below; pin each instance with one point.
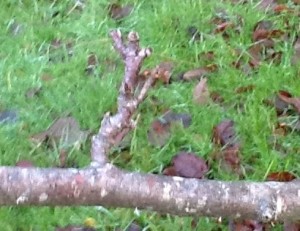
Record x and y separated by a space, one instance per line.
117 12
92 63
208 56
24 164
64 131
288 226
159 133
245 225
223 27
287 98
201 92
296 56
224 134
74 228
196 73
60 51
160 130
216 97
281 176
170 171
163 71
32 92
173 117
188 165
231 157
243 89
296 2
266 4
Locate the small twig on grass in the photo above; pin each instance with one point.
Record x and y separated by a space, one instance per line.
112 127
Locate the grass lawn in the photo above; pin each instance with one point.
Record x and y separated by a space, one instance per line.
45 44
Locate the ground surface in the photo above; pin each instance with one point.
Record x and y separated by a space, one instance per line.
45 44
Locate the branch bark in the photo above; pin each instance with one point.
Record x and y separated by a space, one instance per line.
104 184
112 187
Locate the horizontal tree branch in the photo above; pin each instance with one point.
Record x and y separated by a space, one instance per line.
112 187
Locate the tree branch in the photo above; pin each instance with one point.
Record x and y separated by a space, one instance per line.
106 185
112 187
114 128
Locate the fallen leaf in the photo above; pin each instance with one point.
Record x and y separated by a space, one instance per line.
159 133
64 132
92 63
198 73
216 97
296 56
243 89
32 92
207 57
8 117
231 158
288 226
287 98
193 33
281 176
60 51
46 77
24 164
164 71
189 165
134 227
160 130
117 12
173 117
267 4
288 123
245 225
201 93
224 134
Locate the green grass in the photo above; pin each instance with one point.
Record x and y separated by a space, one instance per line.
24 62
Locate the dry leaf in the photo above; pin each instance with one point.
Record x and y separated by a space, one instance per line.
243 89
118 12
281 176
159 133
201 93
32 92
224 134
64 132
296 56
160 130
92 63
188 165
287 98
288 226
195 74
245 225
24 164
